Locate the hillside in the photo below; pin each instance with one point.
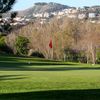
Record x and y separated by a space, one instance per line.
43 7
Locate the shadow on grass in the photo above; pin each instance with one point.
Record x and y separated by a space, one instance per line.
33 64
18 62
93 94
11 77
40 66
9 63
9 58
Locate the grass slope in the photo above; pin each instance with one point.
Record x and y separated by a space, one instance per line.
39 79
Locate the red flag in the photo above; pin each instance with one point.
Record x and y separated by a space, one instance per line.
50 44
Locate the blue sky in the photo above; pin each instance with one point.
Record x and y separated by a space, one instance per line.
23 4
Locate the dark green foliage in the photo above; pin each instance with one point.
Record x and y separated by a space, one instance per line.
38 54
5 28
3 47
13 15
21 45
98 56
6 5
75 56
2 42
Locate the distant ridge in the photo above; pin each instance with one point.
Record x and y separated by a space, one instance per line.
52 8
42 7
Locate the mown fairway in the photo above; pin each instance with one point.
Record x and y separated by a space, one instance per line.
39 79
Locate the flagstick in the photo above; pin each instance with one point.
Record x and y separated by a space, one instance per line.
52 48
52 53
49 54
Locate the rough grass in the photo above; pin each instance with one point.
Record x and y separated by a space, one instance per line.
39 79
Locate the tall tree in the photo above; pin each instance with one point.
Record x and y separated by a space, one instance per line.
6 5
90 40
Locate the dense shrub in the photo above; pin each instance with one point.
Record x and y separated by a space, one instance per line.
2 42
37 54
3 47
75 56
21 45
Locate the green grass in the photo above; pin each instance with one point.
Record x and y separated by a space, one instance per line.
39 79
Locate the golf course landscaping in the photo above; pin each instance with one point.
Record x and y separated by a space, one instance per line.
39 79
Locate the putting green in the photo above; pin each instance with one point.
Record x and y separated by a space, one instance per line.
39 79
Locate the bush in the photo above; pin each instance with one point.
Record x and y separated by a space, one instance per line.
3 47
75 56
21 45
2 42
38 54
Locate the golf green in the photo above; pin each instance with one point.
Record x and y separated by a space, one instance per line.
39 79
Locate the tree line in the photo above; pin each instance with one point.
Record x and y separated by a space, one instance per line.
72 40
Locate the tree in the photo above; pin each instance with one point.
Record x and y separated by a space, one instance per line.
5 6
90 41
13 15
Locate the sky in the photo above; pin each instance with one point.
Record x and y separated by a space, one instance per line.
24 4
